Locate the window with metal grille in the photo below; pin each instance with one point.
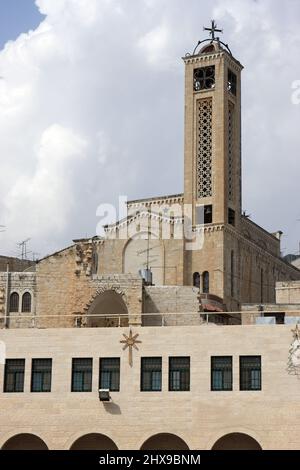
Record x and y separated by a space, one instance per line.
110 374
82 373
41 375
14 375
179 374
26 302
151 374
14 302
250 372
221 373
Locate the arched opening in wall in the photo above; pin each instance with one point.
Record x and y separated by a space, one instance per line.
206 282
140 253
108 310
26 302
165 441
236 441
25 442
94 442
196 280
14 302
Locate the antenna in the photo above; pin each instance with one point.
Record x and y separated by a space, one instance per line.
23 246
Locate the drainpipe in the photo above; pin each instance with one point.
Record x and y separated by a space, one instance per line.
7 298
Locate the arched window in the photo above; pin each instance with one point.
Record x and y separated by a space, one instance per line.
206 282
196 280
26 302
14 302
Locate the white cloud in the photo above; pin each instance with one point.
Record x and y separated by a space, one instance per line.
91 106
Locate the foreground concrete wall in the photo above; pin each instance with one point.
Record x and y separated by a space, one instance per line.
200 417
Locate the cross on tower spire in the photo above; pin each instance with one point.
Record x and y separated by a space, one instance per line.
213 29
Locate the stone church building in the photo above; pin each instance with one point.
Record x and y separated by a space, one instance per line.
177 261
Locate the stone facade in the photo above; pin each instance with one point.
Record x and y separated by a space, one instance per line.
199 416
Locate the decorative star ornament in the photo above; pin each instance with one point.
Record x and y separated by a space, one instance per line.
130 342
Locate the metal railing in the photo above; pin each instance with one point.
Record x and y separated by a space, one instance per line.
20 320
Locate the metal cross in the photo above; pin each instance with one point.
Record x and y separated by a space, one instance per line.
213 29
130 342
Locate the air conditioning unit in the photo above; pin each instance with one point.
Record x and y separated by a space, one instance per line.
104 394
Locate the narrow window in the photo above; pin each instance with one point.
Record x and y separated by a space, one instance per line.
261 286
221 373
82 373
14 375
26 302
232 274
179 374
250 372
206 282
196 280
41 375
231 217
232 82
110 374
151 374
14 302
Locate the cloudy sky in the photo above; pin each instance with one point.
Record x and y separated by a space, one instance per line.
91 106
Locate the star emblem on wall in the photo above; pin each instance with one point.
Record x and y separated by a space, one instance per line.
130 342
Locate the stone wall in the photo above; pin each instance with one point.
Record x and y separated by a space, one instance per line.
182 300
66 286
288 292
200 416
19 283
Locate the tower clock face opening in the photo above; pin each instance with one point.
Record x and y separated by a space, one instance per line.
204 78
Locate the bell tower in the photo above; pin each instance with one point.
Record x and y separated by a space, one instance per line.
212 168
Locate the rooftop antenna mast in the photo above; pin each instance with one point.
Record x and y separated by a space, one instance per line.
23 246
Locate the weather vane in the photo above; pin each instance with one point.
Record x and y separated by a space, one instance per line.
214 29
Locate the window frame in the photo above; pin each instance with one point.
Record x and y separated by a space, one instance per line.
5 384
181 371
151 372
83 372
101 386
14 295
259 369
28 296
43 373
214 369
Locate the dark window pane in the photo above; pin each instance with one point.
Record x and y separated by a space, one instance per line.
26 302
14 375
110 374
41 375
14 302
250 372
82 373
151 368
221 373
179 373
